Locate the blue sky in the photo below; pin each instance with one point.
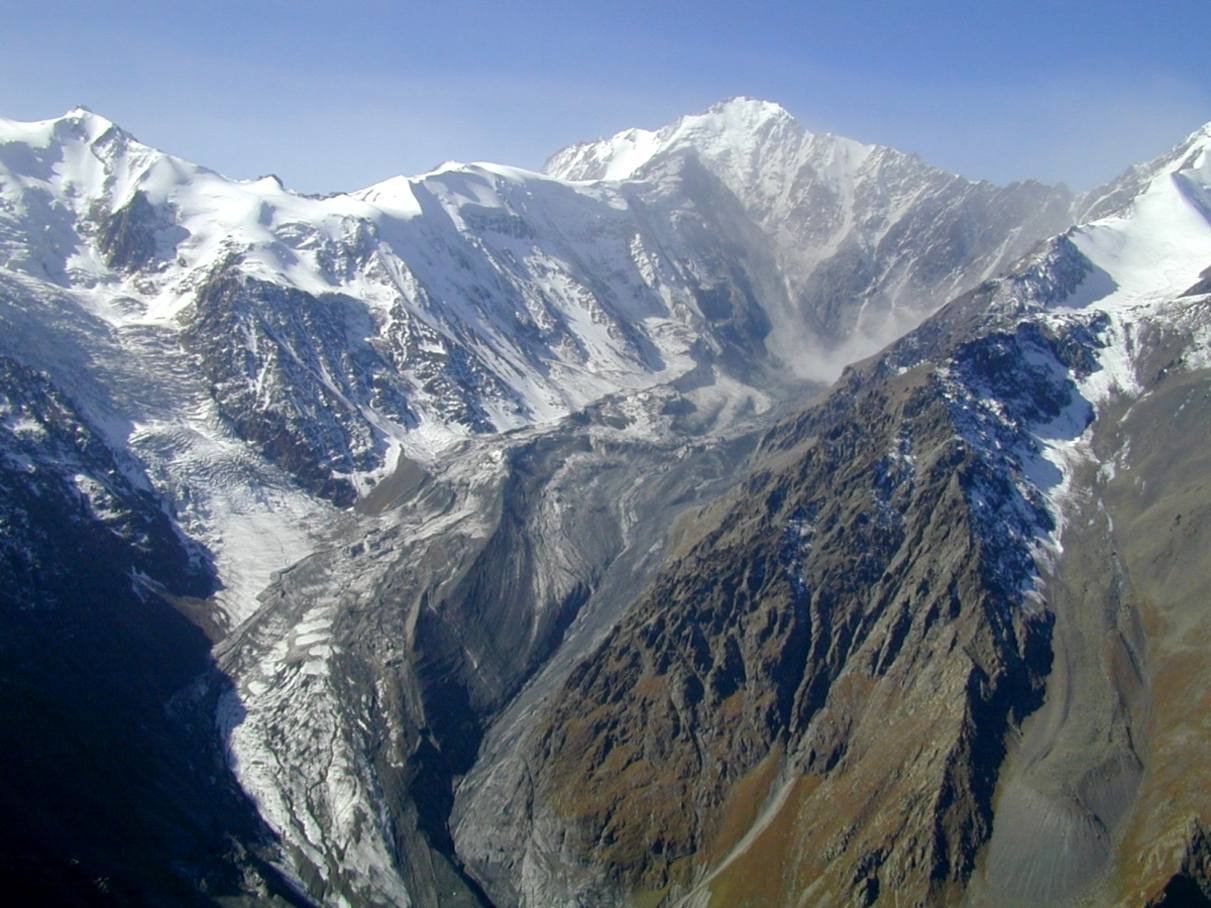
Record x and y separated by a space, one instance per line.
332 98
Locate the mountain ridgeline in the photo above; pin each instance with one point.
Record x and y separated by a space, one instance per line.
728 515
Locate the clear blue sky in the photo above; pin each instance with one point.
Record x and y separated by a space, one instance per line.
333 98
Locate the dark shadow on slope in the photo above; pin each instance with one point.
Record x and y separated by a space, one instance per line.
113 786
114 789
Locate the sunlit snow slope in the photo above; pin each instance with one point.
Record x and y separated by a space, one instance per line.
262 355
869 239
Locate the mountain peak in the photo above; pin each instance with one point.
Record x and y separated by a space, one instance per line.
92 125
743 109
736 122
1191 154
75 124
1201 138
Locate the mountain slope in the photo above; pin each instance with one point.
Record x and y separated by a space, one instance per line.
816 696
772 695
322 337
870 239
469 588
483 482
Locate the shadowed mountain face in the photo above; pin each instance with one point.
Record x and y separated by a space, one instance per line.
481 538
115 788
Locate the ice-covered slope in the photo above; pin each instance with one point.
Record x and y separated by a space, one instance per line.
869 239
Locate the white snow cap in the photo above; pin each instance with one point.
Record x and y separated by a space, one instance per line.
734 136
1158 242
735 125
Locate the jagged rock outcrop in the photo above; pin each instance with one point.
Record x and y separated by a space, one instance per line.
293 374
794 650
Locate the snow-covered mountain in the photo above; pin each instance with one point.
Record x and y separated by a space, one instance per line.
411 455
948 642
869 239
667 700
239 339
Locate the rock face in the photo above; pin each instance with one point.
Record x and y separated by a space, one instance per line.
536 574
300 379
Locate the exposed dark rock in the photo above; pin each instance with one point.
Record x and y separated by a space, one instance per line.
290 372
131 238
